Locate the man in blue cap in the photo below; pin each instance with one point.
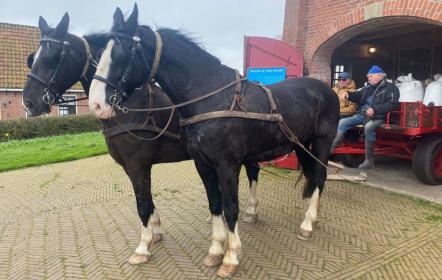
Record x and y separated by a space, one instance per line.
374 101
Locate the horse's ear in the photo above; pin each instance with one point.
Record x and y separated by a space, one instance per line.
62 26
43 25
30 60
132 21
118 20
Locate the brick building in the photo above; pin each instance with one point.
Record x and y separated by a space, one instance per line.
16 43
402 36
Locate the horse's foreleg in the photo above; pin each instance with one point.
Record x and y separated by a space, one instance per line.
219 236
228 178
250 216
141 182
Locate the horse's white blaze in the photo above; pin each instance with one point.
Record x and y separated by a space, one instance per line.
312 212
218 236
233 247
253 202
97 92
37 54
146 238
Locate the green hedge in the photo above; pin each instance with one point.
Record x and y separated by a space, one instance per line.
47 126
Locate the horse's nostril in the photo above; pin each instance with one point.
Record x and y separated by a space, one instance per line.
96 106
28 104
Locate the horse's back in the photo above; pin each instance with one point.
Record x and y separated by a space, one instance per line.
307 95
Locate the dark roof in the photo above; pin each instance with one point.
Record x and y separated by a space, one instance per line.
16 43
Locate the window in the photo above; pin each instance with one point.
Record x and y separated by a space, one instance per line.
338 69
69 108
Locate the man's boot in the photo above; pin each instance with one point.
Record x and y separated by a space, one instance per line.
338 139
369 152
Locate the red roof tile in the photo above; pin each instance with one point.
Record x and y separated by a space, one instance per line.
16 43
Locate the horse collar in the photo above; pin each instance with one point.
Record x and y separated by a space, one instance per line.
89 58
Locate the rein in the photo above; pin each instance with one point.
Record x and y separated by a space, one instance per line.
274 116
51 96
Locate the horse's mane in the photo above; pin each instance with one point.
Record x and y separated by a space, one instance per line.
98 39
187 41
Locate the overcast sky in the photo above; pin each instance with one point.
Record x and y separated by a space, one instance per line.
220 25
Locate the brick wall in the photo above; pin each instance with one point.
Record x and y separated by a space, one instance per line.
10 105
317 27
11 108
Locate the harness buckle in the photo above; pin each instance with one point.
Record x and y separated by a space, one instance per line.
115 99
48 97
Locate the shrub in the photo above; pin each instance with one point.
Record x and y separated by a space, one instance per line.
47 126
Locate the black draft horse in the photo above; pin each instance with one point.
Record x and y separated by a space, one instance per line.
219 146
135 155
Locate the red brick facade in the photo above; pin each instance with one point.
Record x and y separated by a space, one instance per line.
318 27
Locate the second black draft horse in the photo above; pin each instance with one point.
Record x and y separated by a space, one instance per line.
219 146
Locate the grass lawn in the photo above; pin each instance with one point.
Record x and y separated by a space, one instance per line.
39 151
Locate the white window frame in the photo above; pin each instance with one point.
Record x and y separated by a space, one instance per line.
72 103
337 69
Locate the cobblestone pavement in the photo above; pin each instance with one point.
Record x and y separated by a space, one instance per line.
78 220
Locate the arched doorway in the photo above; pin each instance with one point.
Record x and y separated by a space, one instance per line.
399 44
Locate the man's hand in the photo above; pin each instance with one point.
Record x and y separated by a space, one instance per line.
370 112
343 96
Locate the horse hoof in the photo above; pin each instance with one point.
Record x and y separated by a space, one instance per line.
138 259
226 270
249 218
212 260
304 234
156 238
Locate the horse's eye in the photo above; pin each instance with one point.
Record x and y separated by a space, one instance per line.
119 54
51 56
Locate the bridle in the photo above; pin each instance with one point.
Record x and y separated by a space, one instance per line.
51 96
119 90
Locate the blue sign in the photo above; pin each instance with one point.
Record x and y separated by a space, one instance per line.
266 76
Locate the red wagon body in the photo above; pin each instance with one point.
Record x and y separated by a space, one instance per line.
414 132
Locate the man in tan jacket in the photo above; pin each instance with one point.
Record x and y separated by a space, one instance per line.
345 84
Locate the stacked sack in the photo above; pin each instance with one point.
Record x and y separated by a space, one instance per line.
433 93
410 89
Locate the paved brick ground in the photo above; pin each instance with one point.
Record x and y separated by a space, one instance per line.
78 220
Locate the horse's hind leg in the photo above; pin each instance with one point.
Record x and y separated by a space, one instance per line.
228 178
314 187
250 215
219 235
141 182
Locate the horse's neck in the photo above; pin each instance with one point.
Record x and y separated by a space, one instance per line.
184 78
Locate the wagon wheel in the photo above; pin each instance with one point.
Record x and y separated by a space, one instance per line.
351 160
427 161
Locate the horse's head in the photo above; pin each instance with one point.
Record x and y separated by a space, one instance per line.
60 61
123 66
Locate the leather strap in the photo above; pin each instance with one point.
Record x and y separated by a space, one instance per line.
231 114
119 129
